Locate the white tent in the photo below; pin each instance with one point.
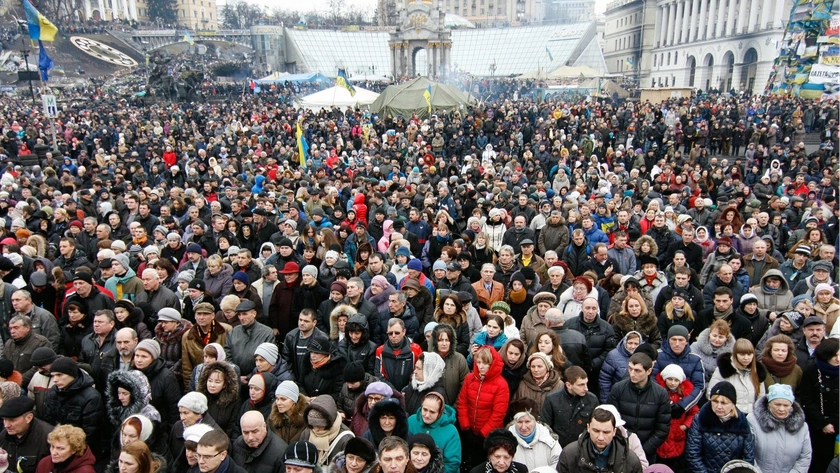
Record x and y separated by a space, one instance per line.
339 97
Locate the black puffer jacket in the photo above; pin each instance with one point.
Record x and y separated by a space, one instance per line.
326 380
224 406
264 405
600 339
72 335
567 415
141 393
79 404
267 458
646 411
364 351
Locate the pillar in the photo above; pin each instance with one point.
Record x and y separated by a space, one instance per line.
710 20
700 23
678 23
779 14
663 28
731 20
765 15
658 23
742 16
721 17
685 31
672 24
752 16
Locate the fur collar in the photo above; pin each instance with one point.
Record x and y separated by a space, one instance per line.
644 324
709 422
229 393
769 423
727 369
705 346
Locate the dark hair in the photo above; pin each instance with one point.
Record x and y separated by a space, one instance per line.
641 359
602 415
827 349
216 439
573 374
723 291
497 319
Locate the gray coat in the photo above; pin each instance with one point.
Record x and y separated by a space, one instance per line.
241 343
44 323
781 446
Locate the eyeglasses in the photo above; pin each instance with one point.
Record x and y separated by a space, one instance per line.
394 333
201 457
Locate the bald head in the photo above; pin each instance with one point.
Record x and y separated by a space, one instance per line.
253 428
554 317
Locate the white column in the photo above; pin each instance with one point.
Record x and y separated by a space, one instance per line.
672 24
753 16
779 13
658 23
686 24
678 23
700 21
742 16
721 16
663 27
710 21
730 18
765 15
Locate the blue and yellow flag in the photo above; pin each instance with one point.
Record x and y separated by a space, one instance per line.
303 146
548 53
40 28
188 38
427 94
342 81
629 63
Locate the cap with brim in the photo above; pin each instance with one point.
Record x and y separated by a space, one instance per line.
38 279
17 407
245 306
204 308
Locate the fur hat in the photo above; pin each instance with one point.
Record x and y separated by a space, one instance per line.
497 438
545 297
363 448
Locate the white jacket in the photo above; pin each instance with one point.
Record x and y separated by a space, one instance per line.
544 450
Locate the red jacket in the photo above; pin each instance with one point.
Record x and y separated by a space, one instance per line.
360 207
675 443
483 402
78 464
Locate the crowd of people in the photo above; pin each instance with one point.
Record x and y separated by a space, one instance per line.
512 287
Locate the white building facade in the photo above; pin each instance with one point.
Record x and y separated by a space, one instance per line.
716 44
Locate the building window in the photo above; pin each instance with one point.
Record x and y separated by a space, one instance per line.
668 64
654 60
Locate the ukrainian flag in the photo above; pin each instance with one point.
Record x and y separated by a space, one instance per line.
40 28
427 94
548 53
188 38
629 63
303 146
342 81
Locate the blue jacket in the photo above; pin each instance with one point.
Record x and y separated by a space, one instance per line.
481 339
594 235
614 367
444 433
710 443
692 366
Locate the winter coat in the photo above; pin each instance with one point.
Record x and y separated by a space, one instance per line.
78 464
394 365
326 406
166 392
415 391
567 415
531 325
364 351
829 314
645 324
170 346
577 457
129 284
710 443
264 405
78 404
654 287
576 256
326 380
192 347
709 354
444 433
481 339
614 367
796 336
242 342
528 388
30 449
387 406
456 366
646 411
72 336
778 301
553 237
542 450
737 289
480 398
600 340
347 398
289 426
176 443
19 352
459 323
224 406
266 458
141 393
424 306
739 378
617 301
570 307
219 285
308 297
781 445
675 443
409 318
692 366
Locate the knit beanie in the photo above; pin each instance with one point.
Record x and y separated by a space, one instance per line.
725 389
673 371
65 365
242 277
354 372
150 346
502 306
289 390
194 401
310 270
268 351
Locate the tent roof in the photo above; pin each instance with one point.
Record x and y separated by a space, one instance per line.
339 97
307 77
407 98
273 76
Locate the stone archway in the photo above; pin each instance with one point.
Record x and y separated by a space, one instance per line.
748 69
420 61
421 29
691 65
728 72
709 68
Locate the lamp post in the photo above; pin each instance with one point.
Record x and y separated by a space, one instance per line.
22 25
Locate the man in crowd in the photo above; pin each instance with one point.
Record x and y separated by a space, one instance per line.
258 450
395 359
564 409
24 437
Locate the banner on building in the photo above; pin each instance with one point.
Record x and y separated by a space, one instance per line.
823 74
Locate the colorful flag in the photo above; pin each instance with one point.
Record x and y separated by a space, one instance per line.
188 38
44 62
342 81
303 146
40 28
427 94
630 63
548 53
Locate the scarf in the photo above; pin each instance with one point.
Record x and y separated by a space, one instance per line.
319 364
679 312
578 298
527 438
140 241
724 419
505 267
197 300
322 439
205 337
540 381
518 297
723 315
779 369
827 369
649 279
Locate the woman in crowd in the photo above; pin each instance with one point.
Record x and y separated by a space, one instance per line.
677 312
451 312
571 301
779 357
635 317
534 321
536 447
787 323
127 315
492 335
548 343
425 455
719 433
479 403
819 394
427 377
359 457
129 393
378 292
443 342
192 408
438 420
260 386
68 452
615 364
218 277
323 369
386 419
742 371
499 450
782 443
286 418
137 458
324 429
220 385
541 379
518 297
514 355
826 306
711 343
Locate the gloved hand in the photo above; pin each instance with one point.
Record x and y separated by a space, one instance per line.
676 411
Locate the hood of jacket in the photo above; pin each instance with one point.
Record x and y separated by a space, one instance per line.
359 199
496 367
392 407
704 344
768 422
136 384
84 380
622 344
784 288
346 310
356 322
326 406
230 392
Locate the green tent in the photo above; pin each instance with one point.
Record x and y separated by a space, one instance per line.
408 98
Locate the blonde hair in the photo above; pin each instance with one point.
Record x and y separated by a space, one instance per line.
74 436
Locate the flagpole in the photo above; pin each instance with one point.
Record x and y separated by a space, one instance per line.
43 89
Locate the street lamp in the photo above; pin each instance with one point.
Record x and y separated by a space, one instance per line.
22 25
